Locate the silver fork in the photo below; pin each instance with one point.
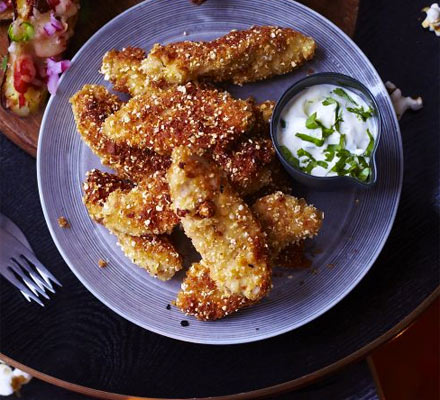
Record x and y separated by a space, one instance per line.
16 257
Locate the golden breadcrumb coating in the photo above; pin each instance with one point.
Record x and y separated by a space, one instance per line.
137 210
238 57
199 117
286 219
155 253
91 106
201 297
121 68
220 225
246 160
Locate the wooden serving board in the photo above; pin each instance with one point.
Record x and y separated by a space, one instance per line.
94 14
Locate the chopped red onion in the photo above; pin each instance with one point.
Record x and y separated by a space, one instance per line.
54 70
3 6
53 26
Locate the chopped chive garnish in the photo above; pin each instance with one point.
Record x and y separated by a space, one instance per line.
341 142
308 138
364 174
340 166
326 132
342 93
329 155
329 100
370 146
362 114
338 112
338 119
287 154
309 167
362 162
4 63
304 153
311 122
343 162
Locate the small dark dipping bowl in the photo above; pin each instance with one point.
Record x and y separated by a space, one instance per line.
331 182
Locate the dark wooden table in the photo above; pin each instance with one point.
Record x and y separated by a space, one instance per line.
77 339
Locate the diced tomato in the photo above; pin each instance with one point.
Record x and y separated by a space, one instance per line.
21 100
24 73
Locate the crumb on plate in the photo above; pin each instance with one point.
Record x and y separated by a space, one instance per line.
63 223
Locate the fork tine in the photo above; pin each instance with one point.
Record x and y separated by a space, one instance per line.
8 274
39 280
35 287
40 267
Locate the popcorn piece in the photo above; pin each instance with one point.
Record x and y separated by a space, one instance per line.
432 20
402 103
11 380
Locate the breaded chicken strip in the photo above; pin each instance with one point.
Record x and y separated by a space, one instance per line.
238 57
155 253
91 106
246 160
220 225
200 117
134 209
286 219
250 162
122 69
201 297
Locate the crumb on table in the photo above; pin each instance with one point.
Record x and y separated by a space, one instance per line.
102 263
63 223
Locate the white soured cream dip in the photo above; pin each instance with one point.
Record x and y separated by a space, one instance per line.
328 130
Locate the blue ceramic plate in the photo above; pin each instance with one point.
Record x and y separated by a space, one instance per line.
357 223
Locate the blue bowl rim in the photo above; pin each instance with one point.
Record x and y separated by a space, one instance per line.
325 77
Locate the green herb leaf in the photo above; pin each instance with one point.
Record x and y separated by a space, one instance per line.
329 154
330 100
338 119
341 142
361 114
282 123
308 138
370 146
362 162
339 167
309 167
342 93
322 164
4 63
311 122
326 132
304 153
364 174
287 154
